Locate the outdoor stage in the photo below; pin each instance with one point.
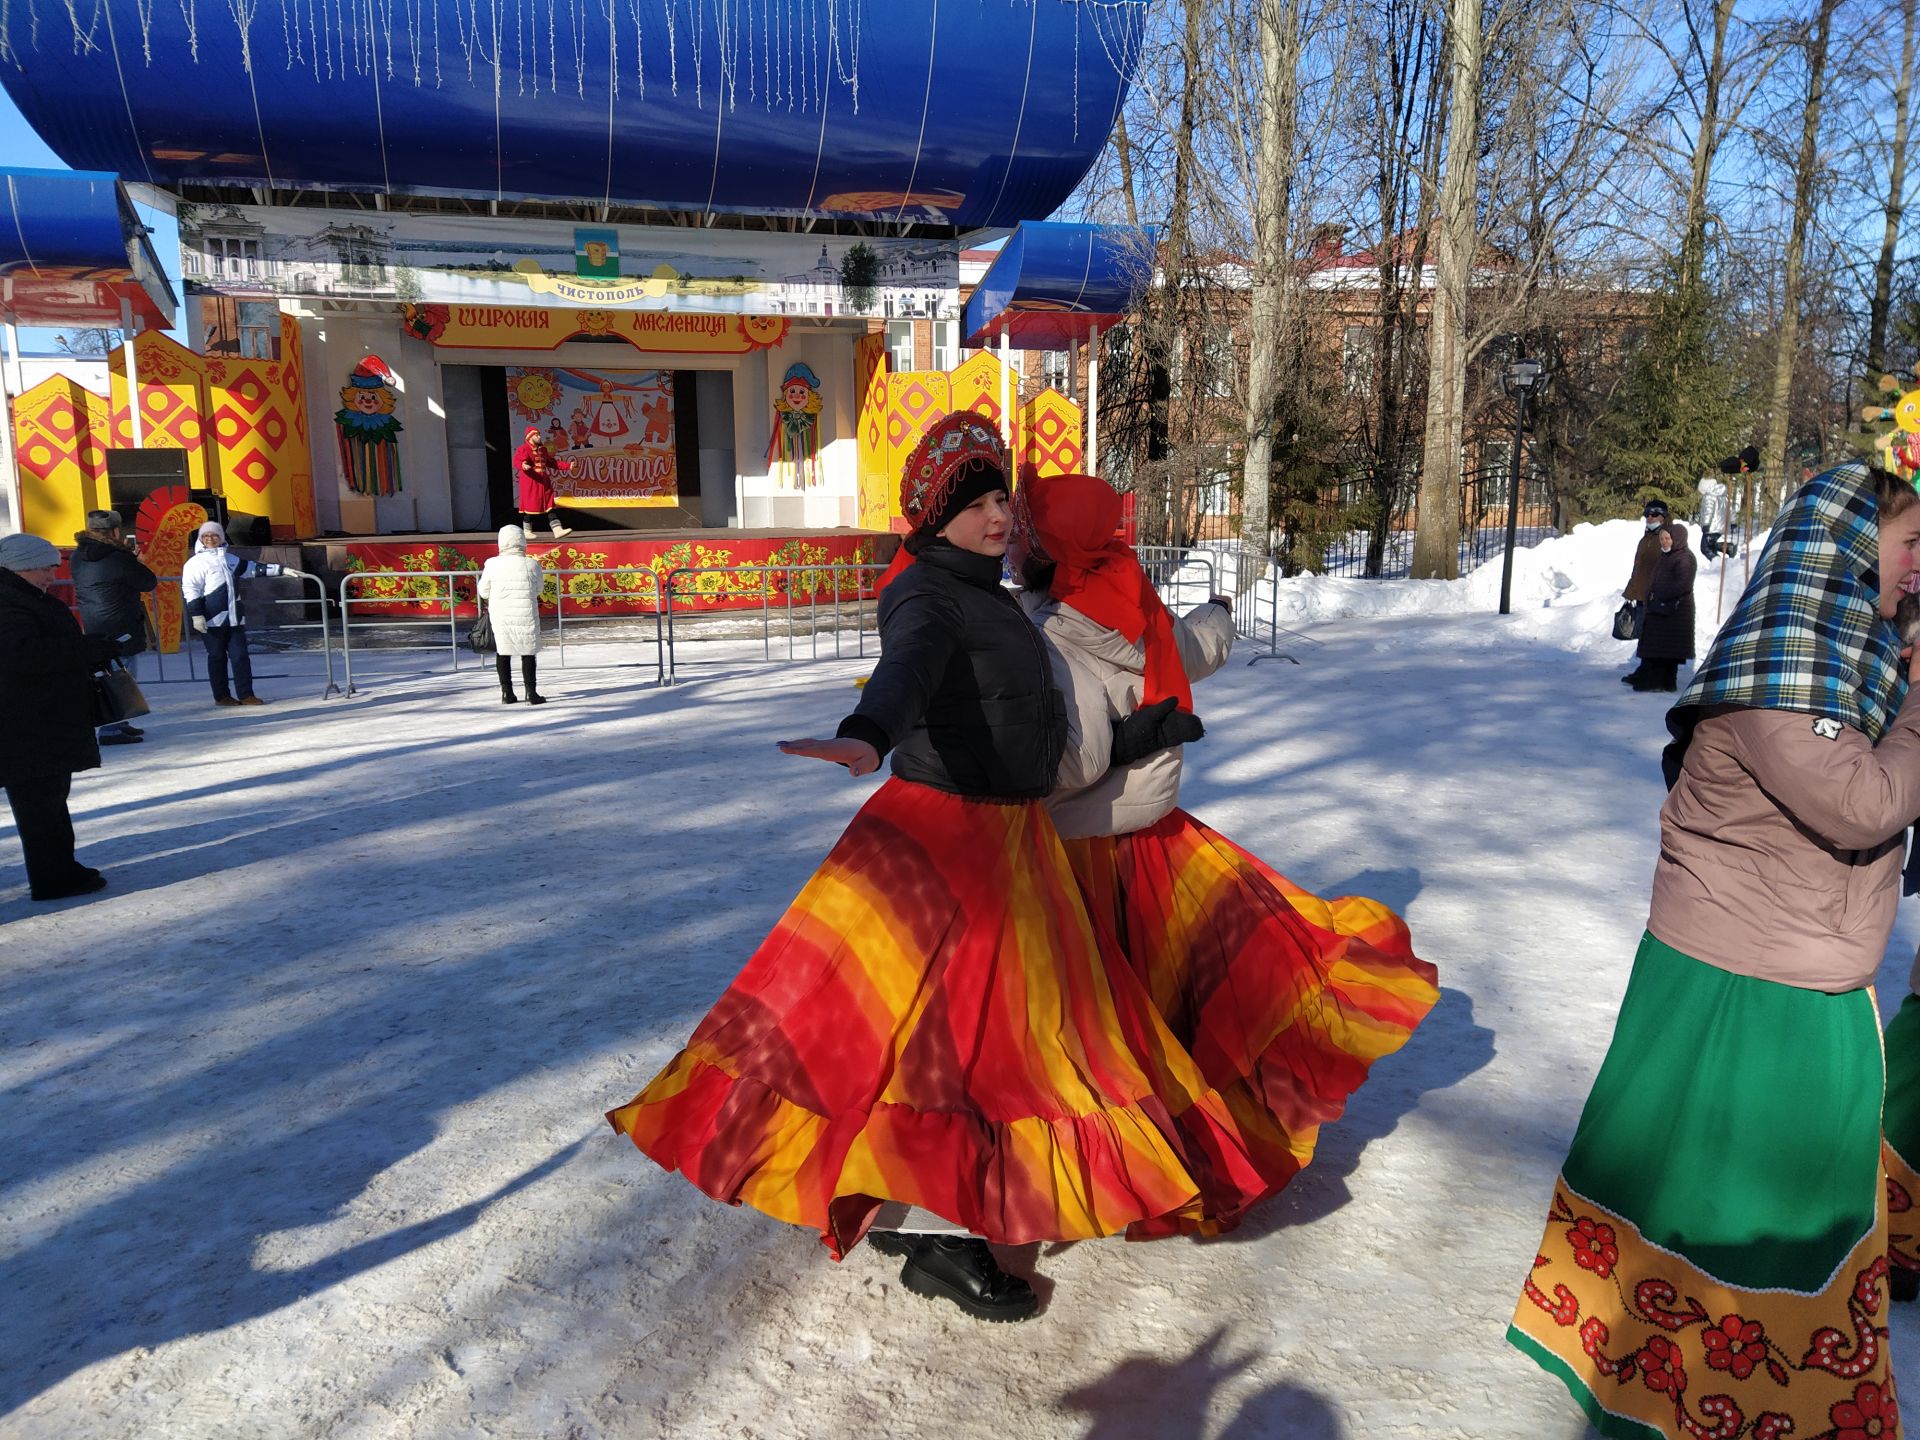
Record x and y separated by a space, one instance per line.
609 572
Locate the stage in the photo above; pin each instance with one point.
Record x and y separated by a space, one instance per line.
605 572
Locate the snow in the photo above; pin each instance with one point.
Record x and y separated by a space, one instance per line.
303 1133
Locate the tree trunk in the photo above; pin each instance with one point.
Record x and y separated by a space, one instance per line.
1279 22
1774 462
1436 541
1896 186
1706 144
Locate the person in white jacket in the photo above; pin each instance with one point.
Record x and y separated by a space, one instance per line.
1284 999
1712 514
210 591
510 583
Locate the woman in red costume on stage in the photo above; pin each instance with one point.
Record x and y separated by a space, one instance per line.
1282 999
937 1041
535 466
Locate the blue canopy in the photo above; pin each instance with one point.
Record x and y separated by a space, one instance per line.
1054 283
72 250
972 114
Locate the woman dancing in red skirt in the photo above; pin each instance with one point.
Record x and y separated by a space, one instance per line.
937 1025
1282 1000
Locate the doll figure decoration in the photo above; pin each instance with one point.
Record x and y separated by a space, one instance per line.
793 451
368 433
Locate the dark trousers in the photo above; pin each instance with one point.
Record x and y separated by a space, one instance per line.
227 645
502 666
46 830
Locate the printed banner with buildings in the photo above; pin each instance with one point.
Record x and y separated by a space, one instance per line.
484 260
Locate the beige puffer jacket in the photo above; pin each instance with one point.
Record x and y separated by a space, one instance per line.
1102 673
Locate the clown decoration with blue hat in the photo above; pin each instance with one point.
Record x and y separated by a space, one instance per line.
795 442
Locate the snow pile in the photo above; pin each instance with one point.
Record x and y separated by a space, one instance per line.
1565 592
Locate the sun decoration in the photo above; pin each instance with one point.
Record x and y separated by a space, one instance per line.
1897 449
533 394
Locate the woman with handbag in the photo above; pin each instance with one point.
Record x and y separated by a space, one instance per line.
510 584
46 714
1666 640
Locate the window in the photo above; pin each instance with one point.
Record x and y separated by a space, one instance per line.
259 329
236 259
900 345
946 343
1359 344
1219 361
1053 369
1216 494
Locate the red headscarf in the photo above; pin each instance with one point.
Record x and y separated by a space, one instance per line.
1074 521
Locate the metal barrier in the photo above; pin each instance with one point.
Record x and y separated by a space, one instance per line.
1167 567
1238 574
448 597
844 577
186 650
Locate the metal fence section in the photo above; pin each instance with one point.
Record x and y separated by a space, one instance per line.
800 592
1381 548
1250 580
185 654
454 588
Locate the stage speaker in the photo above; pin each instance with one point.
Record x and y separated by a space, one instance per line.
245 529
132 475
214 505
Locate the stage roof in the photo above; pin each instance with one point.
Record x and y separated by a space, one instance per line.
72 249
973 114
1054 283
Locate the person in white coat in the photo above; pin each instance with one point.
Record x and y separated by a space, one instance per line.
510 583
1282 998
210 590
1712 514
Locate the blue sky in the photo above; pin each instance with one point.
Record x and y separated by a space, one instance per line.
20 146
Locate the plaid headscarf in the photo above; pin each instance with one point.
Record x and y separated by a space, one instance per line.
1807 635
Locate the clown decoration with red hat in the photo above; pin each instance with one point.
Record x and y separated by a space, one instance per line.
368 433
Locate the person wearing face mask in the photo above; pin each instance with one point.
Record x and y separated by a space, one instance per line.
1715 1255
46 714
209 587
938 1048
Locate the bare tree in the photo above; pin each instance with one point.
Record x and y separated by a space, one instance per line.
1805 180
1882 302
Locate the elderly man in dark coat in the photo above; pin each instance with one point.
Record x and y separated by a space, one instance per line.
46 714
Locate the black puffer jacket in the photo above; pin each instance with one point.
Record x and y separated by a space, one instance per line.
46 685
107 585
1669 636
963 695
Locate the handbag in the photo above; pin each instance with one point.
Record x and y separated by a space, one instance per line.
117 696
1626 622
1664 607
480 637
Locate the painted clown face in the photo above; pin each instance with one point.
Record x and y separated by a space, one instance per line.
367 402
796 394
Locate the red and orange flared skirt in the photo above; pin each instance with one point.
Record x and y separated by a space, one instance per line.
943 1019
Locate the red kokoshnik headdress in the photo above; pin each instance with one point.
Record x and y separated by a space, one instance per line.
1074 521
933 470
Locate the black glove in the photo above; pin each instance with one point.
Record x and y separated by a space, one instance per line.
1152 729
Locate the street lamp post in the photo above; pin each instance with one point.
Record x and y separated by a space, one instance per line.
1519 380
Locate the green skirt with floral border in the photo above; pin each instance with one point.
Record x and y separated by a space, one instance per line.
1714 1263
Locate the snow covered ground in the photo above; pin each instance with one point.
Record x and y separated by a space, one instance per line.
302 1126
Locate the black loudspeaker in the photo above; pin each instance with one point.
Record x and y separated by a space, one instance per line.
245 529
132 475
214 505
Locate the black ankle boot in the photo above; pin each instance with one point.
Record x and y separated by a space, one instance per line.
507 697
961 1268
